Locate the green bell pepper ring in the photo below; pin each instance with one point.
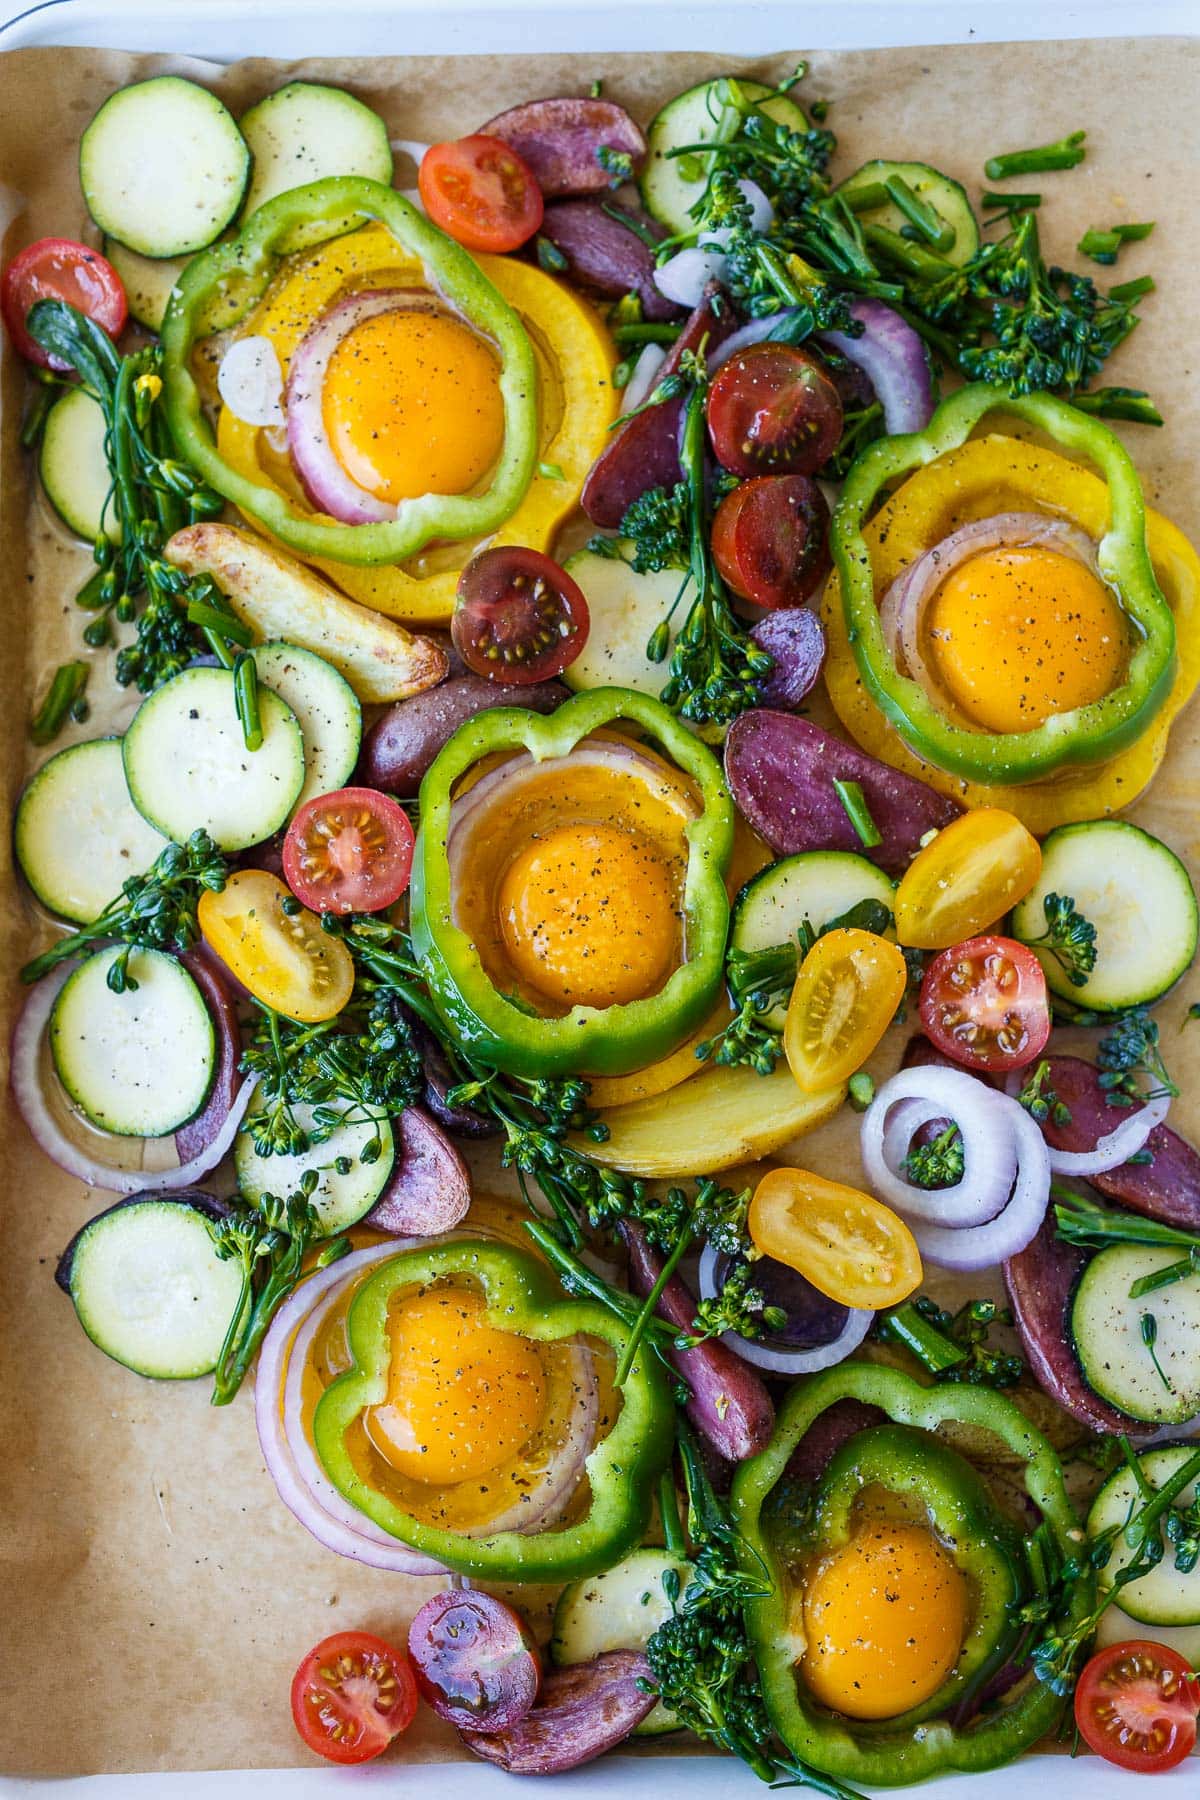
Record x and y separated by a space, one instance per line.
608 1040
891 1753
253 257
621 1470
1090 733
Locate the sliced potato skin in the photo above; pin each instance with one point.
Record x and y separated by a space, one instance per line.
282 598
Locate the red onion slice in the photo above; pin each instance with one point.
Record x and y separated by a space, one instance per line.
645 375
989 1151
903 608
892 357
787 1362
192 1139
30 1097
321 474
983 1246
1115 1147
303 1486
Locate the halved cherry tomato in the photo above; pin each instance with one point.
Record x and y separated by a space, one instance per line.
59 269
1136 1705
352 1695
773 410
770 539
350 851
519 618
480 192
853 1248
967 877
848 988
984 1004
276 947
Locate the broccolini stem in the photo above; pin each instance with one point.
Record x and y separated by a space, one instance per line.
1064 154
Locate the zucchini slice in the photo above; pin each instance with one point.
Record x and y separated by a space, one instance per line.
139 1063
1139 897
340 1199
946 196
304 132
625 607
671 185
74 468
618 1610
1159 1382
150 1290
163 166
814 887
187 764
326 708
1164 1596
78 836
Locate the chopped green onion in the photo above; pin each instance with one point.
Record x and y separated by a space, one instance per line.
245 693
1063 155
64 699
857 811
867 198
1010 202
551 471
550 257
1103 246
924 219
1133 404
862 1090
1127 291
645 334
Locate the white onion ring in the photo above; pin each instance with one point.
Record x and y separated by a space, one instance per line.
30 1098
1115 1147
316 1502
902 609
990 1161
982 1246
645 374
684 276
321 474
788 1362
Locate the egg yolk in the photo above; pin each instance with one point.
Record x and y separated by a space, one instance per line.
463 1397
587 915
412 405
1018 635
884 1618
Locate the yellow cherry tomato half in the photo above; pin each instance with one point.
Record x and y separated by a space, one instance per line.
847 990
283 957
967 877
853 1248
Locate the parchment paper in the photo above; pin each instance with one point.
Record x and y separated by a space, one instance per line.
155 1595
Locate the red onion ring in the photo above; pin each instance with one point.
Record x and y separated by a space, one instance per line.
903 608
989 1151
193 1139
303 1486
787 1362
892 357
321 474
1115 1147
26 1079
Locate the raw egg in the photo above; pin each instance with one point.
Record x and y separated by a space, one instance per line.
884 1617
1018 635
587 914
463 1397
411 403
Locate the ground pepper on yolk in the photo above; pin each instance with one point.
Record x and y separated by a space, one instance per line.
588 915
1017 635
463 1397
412 405
884 1617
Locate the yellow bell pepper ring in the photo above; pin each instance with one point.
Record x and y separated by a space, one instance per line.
254 255
982 477
576 406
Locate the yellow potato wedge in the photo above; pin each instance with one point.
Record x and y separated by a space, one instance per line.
715 1120
281 598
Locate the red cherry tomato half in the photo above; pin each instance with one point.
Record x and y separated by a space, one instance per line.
1136 1705
770 540
349 852
59 269
773 410
519 618
352 1695
984 1004
481 193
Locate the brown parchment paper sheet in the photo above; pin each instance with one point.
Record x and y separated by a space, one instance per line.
155 1595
